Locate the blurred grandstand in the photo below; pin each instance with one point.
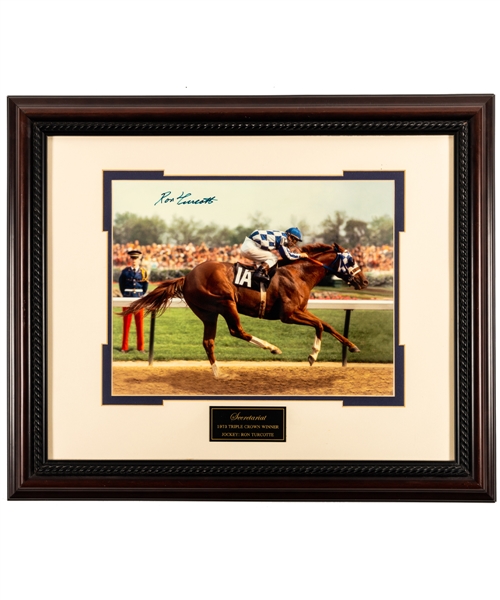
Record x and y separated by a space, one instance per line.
164 261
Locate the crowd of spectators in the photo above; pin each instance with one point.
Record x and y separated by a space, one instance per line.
187 256
374 258
168 256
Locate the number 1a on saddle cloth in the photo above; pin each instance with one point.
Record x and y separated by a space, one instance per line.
244 277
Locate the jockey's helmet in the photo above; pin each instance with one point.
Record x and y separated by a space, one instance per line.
295 231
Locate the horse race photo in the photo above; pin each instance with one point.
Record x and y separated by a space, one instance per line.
253 286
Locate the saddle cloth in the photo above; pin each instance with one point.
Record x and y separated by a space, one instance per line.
243 277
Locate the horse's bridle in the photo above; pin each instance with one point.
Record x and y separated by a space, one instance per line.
336 267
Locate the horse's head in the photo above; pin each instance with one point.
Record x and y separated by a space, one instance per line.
339 262
345 267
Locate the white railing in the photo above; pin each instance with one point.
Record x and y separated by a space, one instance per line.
350 304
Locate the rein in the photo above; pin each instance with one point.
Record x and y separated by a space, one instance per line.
320 264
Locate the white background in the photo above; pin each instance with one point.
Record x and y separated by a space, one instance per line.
182 550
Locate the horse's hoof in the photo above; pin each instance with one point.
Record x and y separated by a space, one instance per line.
276 351
311 360
354 349
215 371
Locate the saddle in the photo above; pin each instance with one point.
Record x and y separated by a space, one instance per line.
244 277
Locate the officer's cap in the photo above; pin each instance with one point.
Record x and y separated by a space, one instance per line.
134 253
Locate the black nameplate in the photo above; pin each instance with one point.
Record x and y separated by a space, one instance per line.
247 424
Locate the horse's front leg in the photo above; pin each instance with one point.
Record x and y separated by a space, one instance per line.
305 314
300 318
343 340
316 347
303 317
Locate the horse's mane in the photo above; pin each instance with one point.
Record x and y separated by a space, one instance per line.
313 249
319 248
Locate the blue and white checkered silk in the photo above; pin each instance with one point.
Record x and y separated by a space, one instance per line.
267 239
273 240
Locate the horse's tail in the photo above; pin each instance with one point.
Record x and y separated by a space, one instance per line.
159 299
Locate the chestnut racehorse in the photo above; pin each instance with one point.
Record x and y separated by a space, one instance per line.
209 291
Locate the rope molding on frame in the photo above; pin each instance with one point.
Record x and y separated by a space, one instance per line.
261 470
460 468
268 128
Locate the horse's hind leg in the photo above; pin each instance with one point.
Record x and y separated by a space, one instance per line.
230 313
210 329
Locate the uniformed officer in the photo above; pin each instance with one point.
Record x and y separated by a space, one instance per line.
133 283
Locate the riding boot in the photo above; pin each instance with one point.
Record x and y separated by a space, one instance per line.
260 273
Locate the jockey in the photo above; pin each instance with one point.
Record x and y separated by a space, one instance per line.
258 245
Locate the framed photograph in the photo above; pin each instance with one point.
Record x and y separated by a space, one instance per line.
251 298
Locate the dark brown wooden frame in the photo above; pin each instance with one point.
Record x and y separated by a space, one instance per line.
470 119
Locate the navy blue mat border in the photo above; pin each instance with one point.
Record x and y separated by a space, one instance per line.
107 349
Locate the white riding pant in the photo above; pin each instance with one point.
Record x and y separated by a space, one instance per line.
251 250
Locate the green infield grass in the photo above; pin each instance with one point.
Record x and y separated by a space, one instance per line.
179 334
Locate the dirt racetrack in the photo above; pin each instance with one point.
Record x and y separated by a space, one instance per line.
191 378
